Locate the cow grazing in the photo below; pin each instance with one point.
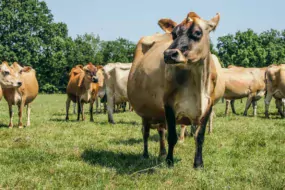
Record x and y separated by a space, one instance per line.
80 88
244 82
116 79
20 87
275 87
193 81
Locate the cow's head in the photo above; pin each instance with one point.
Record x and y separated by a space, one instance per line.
9 78
191 42
90 71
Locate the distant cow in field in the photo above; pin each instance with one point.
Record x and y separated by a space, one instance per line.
20 87
116 79
275 87
81 88
244 82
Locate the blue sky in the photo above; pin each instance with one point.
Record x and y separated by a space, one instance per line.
133 19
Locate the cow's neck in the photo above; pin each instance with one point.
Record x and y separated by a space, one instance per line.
201 73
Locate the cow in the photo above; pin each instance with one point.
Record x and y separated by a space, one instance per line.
20 87
80 88
116 79
193 81
244 82
275 87
147 83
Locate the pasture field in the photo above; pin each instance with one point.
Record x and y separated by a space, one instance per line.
242 152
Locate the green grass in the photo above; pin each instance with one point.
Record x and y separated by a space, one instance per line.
242 152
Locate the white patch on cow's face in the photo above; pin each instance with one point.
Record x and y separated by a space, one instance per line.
9 78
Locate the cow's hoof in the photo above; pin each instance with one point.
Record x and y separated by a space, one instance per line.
112 122
181 140
169 162
91 120
145 155
10 127
21 127
198 165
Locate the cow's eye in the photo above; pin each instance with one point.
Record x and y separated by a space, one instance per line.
6 73
197 34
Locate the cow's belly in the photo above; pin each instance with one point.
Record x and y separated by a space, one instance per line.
190 105
85 98
236 93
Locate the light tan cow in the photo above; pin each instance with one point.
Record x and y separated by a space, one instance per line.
275 87
150 83
194 82
116 79
80 88
21 88
244 82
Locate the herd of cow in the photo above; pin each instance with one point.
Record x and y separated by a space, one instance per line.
174 79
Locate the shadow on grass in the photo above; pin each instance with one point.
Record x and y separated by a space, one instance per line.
3 125
124 163
133 141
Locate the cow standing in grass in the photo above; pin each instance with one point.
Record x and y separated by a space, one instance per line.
275 87
116 79
79 88
244 82
20 87
193 81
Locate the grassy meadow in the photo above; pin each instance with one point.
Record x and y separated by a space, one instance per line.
242 152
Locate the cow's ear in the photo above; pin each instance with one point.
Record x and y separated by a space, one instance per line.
25 69
167 24
213 23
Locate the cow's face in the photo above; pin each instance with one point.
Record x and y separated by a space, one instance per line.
90 73
8 77
190 40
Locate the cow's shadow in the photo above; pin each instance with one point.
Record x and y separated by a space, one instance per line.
123 163
2 125
133 141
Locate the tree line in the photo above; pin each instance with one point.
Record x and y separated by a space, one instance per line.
30 36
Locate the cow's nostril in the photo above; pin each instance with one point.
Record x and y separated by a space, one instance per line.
19 83
174 55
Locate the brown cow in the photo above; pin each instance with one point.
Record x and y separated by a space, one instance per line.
22 90
275 87
244 82
79 88
147 80
193 81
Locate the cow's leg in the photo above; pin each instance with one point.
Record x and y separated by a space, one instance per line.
28 114
105 107
211 122
20 113
172 135
233 107
267 101
279 107
182 133
254 106
67 105
82 110
91 110
74 108
199 139
161 132
97 105
146 129
78 109
227 107
283 106
247 106
110 106
10 115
